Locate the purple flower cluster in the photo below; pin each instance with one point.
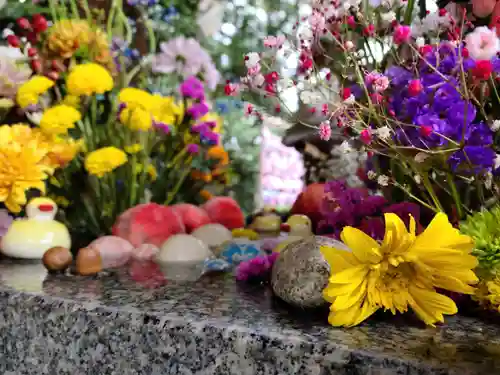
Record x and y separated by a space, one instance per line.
192 88
256 269
345 206
439 115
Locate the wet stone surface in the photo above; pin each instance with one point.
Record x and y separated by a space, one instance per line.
145 324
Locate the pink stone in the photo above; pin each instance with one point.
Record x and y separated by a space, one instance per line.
149 223
145 251
115 251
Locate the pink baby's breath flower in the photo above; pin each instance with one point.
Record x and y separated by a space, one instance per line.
381 83
482 43
317 22
325 131
274 41
415 87
254 70
402 34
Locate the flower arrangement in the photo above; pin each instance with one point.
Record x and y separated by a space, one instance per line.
101 138
418 93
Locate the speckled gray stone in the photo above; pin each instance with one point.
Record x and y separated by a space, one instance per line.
301 272
109 324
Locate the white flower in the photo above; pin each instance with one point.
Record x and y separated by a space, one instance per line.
350 100
383 180
387 17
420 157
345 147
274 122
495 126
482 43
252 59
417 179
311 97
371 175
497 161
420 42
349 45
11 53
384 133
258 80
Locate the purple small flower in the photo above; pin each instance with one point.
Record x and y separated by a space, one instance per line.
198 110
162 127
199 128
192 87
256 269
193 148
473 159
210 137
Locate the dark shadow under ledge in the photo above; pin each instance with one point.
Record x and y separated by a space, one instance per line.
111 325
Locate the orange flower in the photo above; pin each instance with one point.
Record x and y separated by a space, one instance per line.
218 153
199 175
205 194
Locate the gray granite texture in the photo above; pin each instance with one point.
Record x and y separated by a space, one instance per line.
110 324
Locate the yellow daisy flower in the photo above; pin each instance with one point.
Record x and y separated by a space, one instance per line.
89 79
21 168
29 93
104 160
58 119
133 149
401 272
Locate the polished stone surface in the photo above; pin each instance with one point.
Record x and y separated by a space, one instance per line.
111 324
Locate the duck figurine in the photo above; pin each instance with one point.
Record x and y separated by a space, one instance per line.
31 237
267 223
298 227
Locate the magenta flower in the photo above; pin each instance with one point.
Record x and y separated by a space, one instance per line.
193 88
402 34
256 269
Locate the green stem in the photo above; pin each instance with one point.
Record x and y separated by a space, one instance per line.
428 186
455 195
179 183
409 12
53 12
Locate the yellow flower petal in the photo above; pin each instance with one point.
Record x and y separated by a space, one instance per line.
338 259
350 275
355 297
364 248
430 305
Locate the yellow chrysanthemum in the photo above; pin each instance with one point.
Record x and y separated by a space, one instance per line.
167 111
143 109
137 119
62 151
58 119
68 36
21 169
89 79
401 272
104 160
29 93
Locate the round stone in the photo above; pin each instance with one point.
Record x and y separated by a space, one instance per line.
183 248
301 272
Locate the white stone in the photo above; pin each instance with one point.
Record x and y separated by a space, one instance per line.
213 235
183 248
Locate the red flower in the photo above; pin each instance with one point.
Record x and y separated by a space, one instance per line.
271 77
13 41
425 130
39 23
482 70
23 23
365 136
415 87
346 93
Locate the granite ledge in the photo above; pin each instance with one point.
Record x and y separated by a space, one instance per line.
112 325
